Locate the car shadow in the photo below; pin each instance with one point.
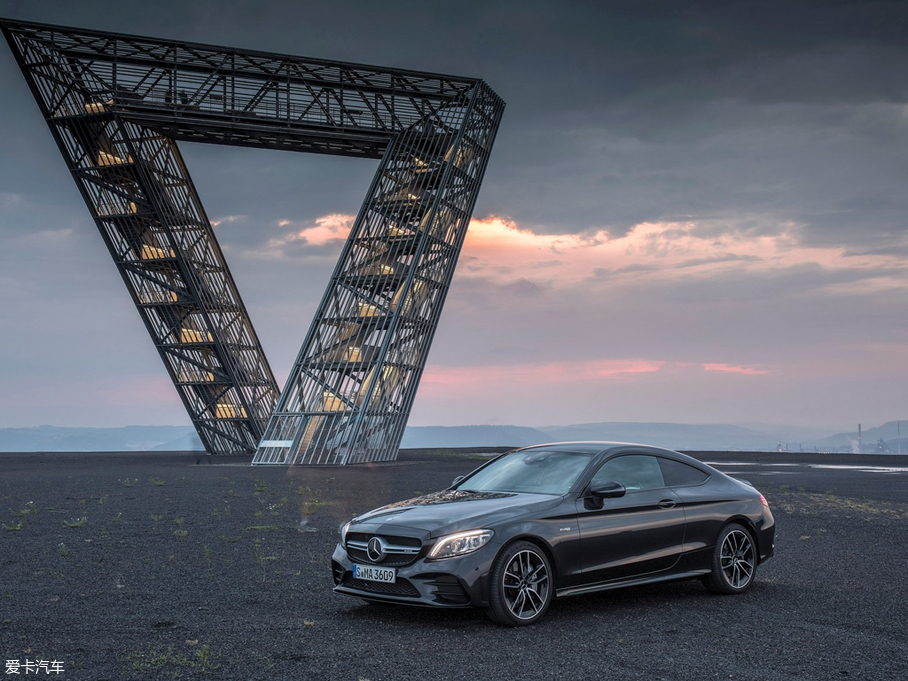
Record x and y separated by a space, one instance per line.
631 602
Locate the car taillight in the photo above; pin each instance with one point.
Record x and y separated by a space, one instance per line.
763 501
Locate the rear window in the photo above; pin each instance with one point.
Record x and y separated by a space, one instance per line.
679 474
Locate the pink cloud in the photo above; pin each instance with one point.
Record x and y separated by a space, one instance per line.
473 377
326 229
499 250
228 218
734 369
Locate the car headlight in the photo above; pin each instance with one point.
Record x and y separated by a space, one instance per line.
343 531
461 543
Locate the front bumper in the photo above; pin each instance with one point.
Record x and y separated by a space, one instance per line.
457 582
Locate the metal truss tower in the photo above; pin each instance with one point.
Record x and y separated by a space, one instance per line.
117 105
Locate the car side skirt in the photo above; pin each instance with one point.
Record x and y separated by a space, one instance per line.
620 584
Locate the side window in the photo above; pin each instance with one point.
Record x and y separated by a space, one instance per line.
678 474
634 471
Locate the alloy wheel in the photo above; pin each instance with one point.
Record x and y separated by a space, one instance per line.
737 558
526 584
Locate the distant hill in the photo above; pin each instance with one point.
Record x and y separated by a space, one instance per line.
715 436
128 438
870 438
670 435
472 436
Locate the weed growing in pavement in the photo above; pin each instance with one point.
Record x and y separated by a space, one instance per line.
30 507
13 527
207 551
170 661
129 483
76 522
203 655
118 516
261 558
63 550
311 504
156 518
157 482
180 532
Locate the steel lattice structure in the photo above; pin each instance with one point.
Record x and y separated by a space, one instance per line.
117 105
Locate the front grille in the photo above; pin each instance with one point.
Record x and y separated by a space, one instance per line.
399 551
390 538
401 587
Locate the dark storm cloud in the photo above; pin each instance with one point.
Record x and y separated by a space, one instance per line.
618 112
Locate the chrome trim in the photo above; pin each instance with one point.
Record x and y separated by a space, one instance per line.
389 548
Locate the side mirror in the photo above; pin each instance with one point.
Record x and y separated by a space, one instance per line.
458 479
607 490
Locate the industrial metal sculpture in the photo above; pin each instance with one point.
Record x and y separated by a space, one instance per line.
117 104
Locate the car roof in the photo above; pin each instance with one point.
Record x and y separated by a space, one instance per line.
597 446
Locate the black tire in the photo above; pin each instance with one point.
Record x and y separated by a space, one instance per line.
521 585
734 564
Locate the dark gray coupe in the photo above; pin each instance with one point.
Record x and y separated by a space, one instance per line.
558 520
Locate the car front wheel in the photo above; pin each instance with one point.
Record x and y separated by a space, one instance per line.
521 585
734 561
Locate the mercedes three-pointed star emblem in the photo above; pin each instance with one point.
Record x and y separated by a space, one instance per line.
376 550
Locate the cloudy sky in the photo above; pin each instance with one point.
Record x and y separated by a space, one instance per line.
694 212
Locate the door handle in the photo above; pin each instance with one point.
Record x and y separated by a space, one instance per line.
667 503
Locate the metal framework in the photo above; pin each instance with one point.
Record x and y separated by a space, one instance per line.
117 104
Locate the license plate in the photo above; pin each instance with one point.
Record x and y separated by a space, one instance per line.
373 573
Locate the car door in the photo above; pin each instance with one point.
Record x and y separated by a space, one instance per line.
636 534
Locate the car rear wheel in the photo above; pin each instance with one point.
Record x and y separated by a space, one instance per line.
521 585
734 563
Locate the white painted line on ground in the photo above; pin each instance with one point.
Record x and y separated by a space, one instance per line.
816 466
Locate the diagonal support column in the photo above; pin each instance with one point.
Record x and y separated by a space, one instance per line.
349 395
142 199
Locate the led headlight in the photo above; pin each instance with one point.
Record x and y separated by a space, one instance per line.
461 543
343 531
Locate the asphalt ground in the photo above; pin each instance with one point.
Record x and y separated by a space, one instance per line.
150 566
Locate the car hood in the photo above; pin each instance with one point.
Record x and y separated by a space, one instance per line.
452 511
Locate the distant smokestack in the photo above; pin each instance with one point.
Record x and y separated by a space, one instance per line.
860 440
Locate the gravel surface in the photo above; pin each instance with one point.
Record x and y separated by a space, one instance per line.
148 566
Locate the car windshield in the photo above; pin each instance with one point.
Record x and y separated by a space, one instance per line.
539 471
